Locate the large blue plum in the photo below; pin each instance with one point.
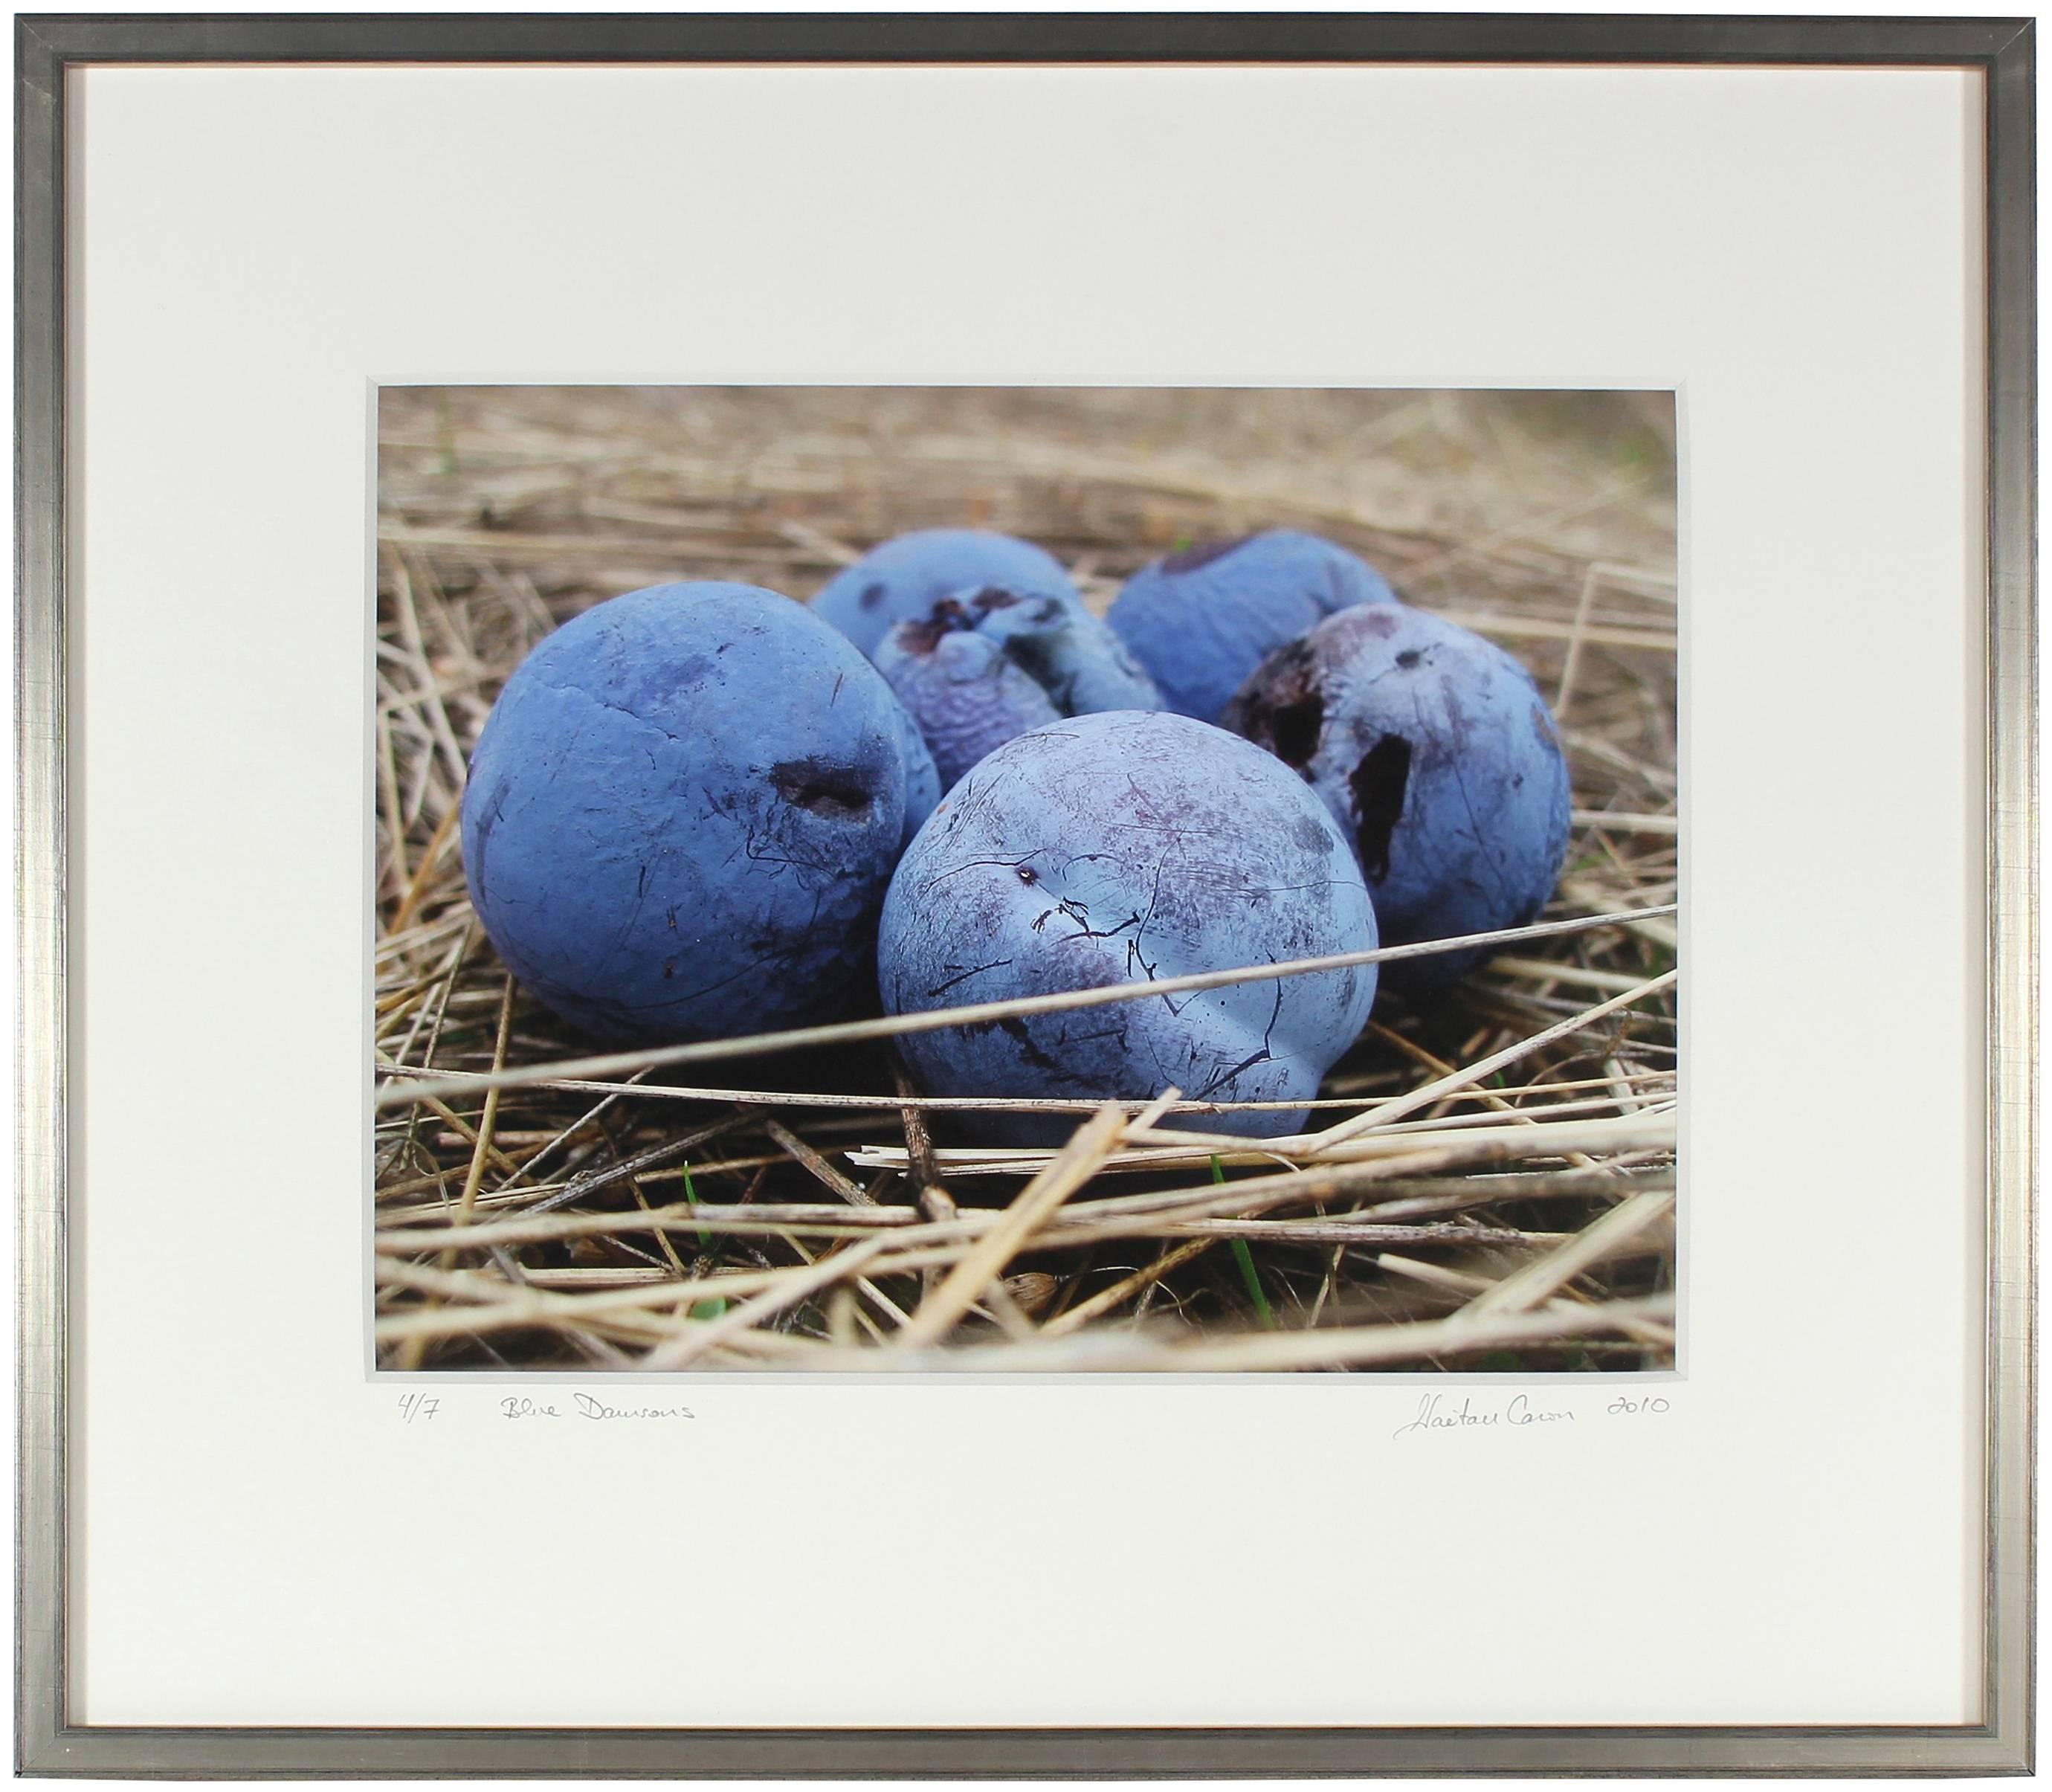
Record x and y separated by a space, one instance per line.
1435 752
682 812
982 666
901 580
1129 847
1202 620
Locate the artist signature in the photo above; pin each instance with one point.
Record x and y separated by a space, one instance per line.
1435 1413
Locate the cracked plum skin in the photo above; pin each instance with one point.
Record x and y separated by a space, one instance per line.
1433 750
1203 620
980 667
903 577
1126 847
682 812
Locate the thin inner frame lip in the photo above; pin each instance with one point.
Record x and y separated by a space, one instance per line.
47 1743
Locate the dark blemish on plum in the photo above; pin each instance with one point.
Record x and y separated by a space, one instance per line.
1295 728
1379 618
1281 706
1028 874
991 598
922 636
1409 657
1378 784
1015 1027
1203 554
1034 656
872 595
1310 836
836 792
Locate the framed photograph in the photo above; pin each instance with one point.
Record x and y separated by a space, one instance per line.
983 896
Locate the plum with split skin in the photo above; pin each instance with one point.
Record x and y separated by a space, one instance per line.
1433 750
1129 847
1200 621
967 695
902 579
684 811
982 666
1073 655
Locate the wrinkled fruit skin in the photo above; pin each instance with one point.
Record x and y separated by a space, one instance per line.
1433 750
902 578
682 812
1117 848
982 666
968 696
1203 620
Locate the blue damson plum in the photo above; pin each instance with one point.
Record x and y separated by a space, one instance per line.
682 812
1126 848
1201 620
984 665
1435 752
901 580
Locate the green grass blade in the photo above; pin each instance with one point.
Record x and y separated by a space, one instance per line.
701 1309
691 1195
1245 1258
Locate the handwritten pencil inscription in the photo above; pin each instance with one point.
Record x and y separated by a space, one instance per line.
589 1406
1437 1413
1440 1413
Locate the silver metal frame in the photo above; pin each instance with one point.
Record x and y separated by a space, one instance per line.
47 1744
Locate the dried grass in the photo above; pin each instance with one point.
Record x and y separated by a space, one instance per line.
1488 1183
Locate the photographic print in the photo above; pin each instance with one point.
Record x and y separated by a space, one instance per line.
885 880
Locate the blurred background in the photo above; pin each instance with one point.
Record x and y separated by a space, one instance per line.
1454 494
